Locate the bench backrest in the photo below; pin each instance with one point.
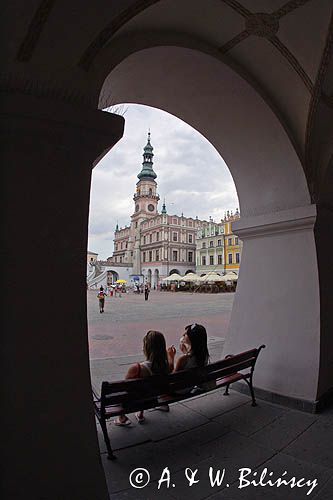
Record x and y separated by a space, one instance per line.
133 392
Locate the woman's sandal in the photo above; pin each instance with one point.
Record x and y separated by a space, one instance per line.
140 418
119 423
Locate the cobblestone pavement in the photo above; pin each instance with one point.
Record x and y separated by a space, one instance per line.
120 329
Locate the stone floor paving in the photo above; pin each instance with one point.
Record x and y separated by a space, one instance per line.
222 433
120 329
210 432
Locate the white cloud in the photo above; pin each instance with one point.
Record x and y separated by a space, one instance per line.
191 175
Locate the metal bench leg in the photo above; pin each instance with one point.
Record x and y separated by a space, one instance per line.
111 455
226 392
249 383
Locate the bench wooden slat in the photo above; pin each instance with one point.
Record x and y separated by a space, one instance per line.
128 396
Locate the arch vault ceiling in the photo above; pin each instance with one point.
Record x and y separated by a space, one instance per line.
283 48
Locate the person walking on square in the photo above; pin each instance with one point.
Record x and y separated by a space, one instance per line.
101 299
146 291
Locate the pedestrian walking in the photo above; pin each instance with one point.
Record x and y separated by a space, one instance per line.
101 299
146 292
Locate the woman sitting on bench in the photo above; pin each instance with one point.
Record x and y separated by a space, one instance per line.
158 362
193 345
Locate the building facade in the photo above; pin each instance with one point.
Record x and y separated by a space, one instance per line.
91 257
155 244
232 244
210 254
217 248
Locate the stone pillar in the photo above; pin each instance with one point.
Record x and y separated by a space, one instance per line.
277 303
49 447
324 246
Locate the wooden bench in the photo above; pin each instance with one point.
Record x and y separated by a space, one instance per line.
128 396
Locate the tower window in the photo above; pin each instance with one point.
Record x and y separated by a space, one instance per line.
230 258
237 258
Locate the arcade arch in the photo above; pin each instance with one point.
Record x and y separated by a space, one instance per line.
52 131
156 278
275 204
112 277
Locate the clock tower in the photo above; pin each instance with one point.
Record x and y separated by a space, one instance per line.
145 202
146 198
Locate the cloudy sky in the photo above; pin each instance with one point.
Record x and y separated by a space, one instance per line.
191 175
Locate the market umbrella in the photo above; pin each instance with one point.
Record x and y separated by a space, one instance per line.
173 277
190 277
212 276
230 277
121 281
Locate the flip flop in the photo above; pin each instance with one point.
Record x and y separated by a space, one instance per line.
139 418
122 424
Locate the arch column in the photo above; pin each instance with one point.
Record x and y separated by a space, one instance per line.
50 441
278 304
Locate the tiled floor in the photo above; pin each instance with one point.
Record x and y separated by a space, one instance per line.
227 434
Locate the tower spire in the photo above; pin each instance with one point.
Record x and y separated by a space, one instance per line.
163 211
147 170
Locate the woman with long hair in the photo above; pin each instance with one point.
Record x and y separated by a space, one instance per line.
159 361
193 345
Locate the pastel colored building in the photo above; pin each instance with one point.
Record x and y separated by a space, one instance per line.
155 244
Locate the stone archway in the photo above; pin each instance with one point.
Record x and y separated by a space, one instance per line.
112 277
52 134
156 278
275 203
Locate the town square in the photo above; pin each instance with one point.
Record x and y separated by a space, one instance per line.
167 250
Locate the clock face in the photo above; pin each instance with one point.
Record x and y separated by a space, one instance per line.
136 208
151 207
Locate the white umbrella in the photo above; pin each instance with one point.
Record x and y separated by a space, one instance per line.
230 277
190 277
212 276
173 277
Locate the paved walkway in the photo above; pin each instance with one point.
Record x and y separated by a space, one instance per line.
120 329
222 432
